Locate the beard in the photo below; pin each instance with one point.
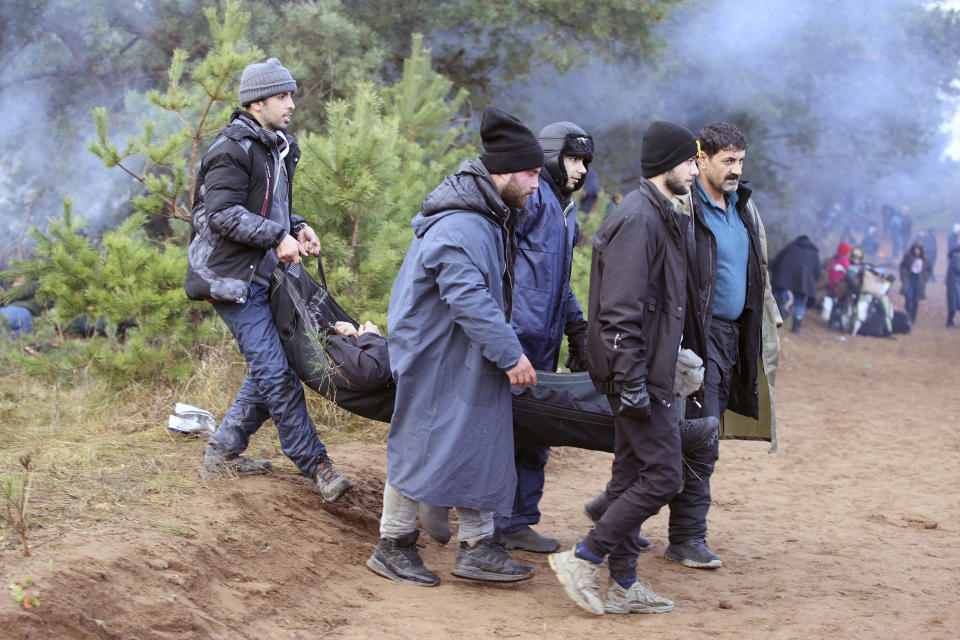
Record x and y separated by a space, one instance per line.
514 194
676 184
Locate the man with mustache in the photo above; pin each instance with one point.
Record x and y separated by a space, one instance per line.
243 226
454 356
741 323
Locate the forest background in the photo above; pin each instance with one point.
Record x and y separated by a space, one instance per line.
109 105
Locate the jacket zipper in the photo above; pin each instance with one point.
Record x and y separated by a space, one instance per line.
266 194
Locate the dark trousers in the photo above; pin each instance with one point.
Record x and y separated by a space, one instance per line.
910 298
271 389
530 462
688 509
645 475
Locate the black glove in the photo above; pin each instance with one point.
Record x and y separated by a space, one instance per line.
634 399
576 346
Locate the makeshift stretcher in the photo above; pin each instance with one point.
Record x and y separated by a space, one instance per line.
563 410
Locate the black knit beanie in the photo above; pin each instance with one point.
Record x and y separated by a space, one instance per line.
664 146
508 146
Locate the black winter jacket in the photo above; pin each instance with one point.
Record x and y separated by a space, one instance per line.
637 294
231 230
797 267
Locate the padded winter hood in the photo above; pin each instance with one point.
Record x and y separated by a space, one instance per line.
564 139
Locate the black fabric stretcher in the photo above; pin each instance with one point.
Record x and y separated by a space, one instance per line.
564 409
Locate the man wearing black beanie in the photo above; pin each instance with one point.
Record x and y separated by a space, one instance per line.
454 356
638 284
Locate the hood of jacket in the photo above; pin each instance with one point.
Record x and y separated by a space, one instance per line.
243 125
469 189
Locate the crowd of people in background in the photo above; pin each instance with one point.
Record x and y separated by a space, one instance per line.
852 288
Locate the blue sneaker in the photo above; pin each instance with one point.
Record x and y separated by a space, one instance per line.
693 553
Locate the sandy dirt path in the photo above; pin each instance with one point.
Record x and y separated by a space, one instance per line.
851 530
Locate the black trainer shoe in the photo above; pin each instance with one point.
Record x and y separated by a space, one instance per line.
398 559
693 553
488 560
329 482
527 539
598 506
216 462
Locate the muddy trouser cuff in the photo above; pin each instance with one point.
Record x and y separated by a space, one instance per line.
399 515
473 525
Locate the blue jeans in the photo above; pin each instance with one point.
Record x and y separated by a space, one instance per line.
271 389
20 319
910 298
782 296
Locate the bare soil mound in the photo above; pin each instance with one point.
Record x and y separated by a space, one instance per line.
852 529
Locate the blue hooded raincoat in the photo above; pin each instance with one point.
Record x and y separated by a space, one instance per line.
450 342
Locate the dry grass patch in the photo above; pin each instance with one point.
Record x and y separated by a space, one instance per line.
105 455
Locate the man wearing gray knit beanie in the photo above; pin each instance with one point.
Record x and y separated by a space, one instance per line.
244 227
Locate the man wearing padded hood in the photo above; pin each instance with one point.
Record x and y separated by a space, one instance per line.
544 307
454 356
242 227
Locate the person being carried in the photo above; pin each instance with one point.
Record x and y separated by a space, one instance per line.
454 356
242 227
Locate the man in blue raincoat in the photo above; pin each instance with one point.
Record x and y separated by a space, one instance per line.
454 356
545 308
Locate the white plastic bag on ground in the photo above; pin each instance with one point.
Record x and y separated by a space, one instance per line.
191 420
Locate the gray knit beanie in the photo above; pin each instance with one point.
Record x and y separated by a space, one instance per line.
264 79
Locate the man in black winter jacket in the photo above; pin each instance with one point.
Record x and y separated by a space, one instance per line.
795 271
242 228
637 312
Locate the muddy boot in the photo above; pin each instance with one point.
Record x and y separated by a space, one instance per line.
398 559
797 323
693 553
216 462
329 483
488 560
435 521
527 539
598 506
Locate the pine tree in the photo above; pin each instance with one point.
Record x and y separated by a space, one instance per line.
165 162
361 183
